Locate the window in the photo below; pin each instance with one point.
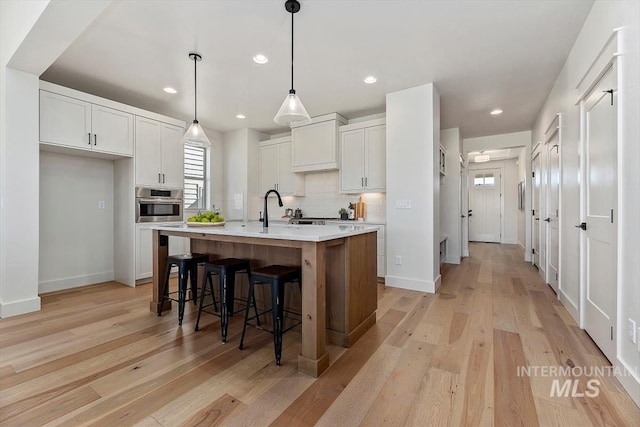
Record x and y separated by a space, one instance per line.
484 179
195 165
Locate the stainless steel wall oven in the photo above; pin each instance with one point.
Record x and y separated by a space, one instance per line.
158 205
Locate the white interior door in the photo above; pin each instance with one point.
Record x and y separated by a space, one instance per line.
553 213
484 205
535 206
599 243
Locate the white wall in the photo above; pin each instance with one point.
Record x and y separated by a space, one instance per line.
25 28
450 221
413 132
509 140
76 236
605 16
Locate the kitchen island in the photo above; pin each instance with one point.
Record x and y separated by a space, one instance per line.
339 290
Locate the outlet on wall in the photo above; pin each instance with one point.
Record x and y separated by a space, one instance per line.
101 204
631 331
398 260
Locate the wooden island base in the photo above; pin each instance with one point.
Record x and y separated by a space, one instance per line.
339 291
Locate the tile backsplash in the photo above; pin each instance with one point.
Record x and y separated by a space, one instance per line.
322 199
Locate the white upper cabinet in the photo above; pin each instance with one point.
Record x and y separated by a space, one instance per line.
315 146
159 154
363 151
275 168
75 123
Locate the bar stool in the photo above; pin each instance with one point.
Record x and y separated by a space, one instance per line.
276 276
187 266
226 270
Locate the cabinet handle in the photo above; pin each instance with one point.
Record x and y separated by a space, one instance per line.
163 178
361 182
159 180
95 139
89 138
366 181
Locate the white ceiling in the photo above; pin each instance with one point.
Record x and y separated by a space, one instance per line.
479 54
503 154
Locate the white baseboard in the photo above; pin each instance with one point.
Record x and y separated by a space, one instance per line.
571 306
629 380
521 245
412 284
509 242
14 308
452 260
74 282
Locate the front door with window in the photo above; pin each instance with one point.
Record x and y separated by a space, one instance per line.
484 205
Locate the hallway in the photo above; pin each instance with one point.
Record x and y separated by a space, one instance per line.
97 355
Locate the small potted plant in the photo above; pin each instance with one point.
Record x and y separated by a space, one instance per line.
344 215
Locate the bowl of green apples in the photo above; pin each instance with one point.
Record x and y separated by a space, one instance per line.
206 219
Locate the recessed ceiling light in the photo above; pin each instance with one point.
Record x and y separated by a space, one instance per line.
370 80
240 116
260 59
170 90
496 112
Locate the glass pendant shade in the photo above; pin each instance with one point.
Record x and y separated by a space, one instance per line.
195 136
291 111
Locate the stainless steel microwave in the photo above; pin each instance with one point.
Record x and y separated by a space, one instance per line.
158 205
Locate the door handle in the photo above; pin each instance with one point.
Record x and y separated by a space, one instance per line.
462 216
582 226
537 219
547 220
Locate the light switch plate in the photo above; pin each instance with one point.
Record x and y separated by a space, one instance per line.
403 204
632 331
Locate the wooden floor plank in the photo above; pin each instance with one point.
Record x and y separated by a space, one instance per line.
96 355
512 393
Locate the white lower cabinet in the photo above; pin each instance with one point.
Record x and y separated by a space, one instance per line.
144 249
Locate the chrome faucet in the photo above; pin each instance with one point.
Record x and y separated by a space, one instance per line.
265 222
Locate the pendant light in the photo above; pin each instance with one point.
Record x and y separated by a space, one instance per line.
195 136
292 109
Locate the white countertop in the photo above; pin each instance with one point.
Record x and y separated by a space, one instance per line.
306 233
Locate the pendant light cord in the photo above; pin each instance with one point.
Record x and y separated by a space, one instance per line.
292 90
195 88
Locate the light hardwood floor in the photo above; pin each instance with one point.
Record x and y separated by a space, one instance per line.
97 356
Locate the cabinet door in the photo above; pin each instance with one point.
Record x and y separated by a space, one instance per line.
148 151
375 158
65 120
314 147
144 252
352 152
172 156
268 167
112 130
289 183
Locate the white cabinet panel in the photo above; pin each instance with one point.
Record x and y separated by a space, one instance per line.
268 167
112 130
148 157
74 123
65 120
352 150
363 159
275 168
375 158
159 154
172 156
144 250
315 147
